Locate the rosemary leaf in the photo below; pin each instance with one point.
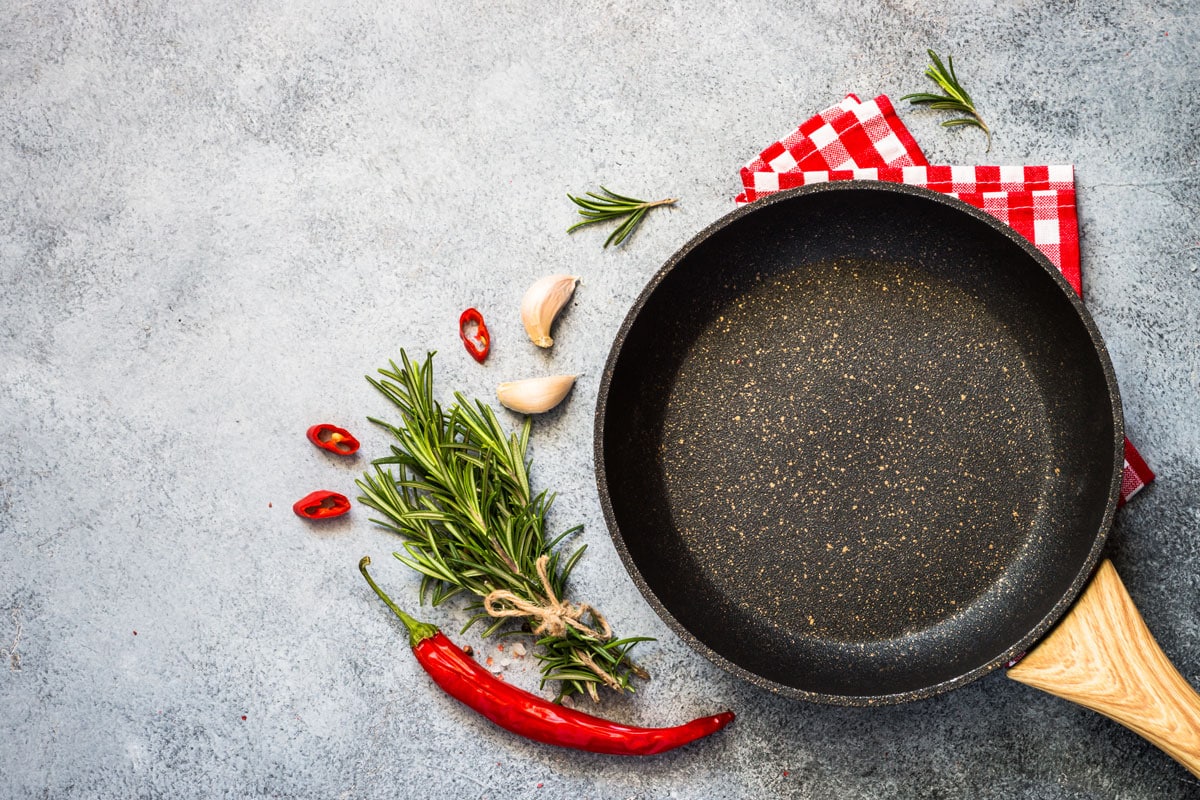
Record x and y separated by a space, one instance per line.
955 98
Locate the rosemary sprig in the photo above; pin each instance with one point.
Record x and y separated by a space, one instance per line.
610 205
954 99
461 499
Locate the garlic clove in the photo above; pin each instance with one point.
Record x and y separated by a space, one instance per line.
541 304
535 395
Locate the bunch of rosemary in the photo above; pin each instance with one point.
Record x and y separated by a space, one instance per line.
460 497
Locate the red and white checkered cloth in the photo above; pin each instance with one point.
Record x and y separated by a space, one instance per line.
867 141
850 135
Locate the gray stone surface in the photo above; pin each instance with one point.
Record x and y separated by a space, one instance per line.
216 217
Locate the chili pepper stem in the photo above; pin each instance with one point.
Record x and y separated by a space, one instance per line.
417 631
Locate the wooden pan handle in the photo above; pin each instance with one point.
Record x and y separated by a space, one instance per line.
1101 655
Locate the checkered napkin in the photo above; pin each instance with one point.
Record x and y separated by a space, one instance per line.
867 141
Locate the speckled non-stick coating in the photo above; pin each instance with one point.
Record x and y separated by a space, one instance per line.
859 443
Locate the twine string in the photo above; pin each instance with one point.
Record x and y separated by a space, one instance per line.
553 616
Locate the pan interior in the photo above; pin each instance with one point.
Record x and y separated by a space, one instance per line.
856 446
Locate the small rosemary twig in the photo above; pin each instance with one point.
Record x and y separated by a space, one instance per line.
954 99
610 205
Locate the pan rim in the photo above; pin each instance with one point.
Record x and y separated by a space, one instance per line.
1025 642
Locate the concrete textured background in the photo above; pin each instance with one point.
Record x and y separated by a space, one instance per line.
216 217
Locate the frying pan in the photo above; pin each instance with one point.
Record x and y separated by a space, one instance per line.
860 443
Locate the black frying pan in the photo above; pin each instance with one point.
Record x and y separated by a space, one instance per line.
860 443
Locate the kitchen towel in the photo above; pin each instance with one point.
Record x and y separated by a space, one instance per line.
867 141
850 135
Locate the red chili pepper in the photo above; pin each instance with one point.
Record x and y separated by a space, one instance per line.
332 438
474 334
321 505
528 715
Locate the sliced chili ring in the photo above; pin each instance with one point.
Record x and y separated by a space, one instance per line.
474 334
321 505
332 438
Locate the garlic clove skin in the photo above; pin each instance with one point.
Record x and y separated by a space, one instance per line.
541 304
535 395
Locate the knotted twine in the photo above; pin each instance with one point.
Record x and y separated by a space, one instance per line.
554 617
